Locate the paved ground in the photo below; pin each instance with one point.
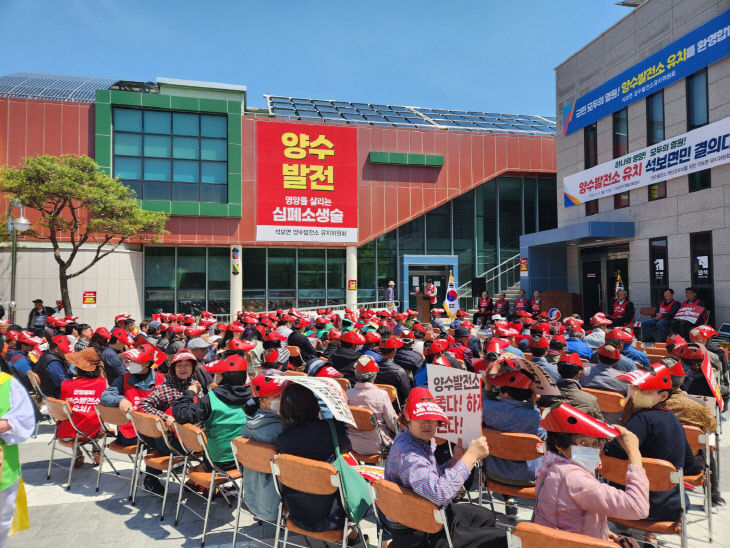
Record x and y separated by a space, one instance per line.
81 516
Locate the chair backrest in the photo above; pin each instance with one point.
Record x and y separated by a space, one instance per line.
344 383
647 310
254 455
292 373
390 389
661 345
191 437
306 475
514 445
528 355
35 382
451 331
695 437
294 351
365 419
146 424
111 415
662 474
532 534
59 410
608 402
405 507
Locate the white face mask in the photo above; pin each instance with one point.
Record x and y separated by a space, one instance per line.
135 368
275 405
587 457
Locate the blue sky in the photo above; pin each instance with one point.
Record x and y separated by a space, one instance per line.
490 55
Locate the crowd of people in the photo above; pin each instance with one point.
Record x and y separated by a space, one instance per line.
233 379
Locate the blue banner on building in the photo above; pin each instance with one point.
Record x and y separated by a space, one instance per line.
694 51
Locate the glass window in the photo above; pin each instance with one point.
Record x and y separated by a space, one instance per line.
366 272
697 111
659 264
486 200
621 132
657 191
411 237
621 200
529 186
190 277
438 231
282 278
699 180
335 276
171 138
159 280
590 145
463 235
311 265
591 207
219 281
253 270
548 203
655 118
510 216
700 245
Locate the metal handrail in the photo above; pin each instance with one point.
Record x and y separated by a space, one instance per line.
498 268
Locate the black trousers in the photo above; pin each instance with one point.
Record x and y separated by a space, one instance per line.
470 526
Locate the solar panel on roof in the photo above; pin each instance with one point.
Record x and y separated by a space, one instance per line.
351 116
60 87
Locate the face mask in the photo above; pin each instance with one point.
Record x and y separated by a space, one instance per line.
642 400
275 405
135 368
587 457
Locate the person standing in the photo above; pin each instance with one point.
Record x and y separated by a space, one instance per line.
37 317
389 296
430 292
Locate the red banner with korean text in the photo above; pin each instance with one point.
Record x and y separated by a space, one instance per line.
306 183
689 313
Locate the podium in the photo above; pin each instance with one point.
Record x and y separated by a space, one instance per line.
424 308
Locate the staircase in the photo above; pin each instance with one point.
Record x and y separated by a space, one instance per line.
503 277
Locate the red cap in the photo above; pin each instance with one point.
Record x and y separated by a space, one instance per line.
268 387
271 355
184 354
614 354
559 338
366 364
235 327
675 340
573 322
567 419
542 342
334 334
231 363
329 372
220 326
677 370
122 335
274 336
206 322
503 343
238 344
411 312
194 331
461 313
26 337
442 360
372 337
302 322
437 311
63 343
206 314
493 346
418 327
422 406
571 357
619 334
514 379
692 351
352 337
438 345
176 328
657 379
145 353
407 334
702 332
391 342
120 317
599 318
523 313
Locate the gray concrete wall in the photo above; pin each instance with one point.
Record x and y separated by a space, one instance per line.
117 280
641 33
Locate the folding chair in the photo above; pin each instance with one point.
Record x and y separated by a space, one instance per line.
344 383
195 444
152 426
116 417
663 476
608 402
534 535
700 440
528 355
38 398
392 393
367 421
511 446
60 411
255 456
316 478
407 508
292 373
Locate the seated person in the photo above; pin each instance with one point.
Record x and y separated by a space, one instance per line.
370 348
683 327
539 347
265 427
52 367
460 348
575 342
221 410
390 372
19 363
569 497
570 367
703 335
83 392
344 359
662 318
366 394
557 345
618 338
412 465
599 327
660 435
604 375
630 351
623 309
405 356
693 357
127 391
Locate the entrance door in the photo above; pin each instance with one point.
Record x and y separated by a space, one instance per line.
602 267
592 294
418 276
617 275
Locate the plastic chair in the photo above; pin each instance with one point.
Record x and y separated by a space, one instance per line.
252 455
407 508
367 421
38 398
316 478
60 411
511 446
115 416
195 444
392 393
528 355
700 440
152 426
663 476
608 402
533 535
292 373
344 383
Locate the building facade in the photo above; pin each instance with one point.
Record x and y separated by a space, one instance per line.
643 179
304 203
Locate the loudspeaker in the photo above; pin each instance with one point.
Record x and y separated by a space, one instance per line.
477 286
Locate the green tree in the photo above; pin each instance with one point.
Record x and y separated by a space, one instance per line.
81 205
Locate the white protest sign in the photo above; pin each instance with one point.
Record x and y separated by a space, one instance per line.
459 393
689 313
330 392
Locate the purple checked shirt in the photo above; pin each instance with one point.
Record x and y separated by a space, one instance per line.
411 464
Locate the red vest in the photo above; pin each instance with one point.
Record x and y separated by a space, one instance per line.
618 309
500 304
664 307
521 304
135 396
535 306
82 393
485 303
431 292
458 352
